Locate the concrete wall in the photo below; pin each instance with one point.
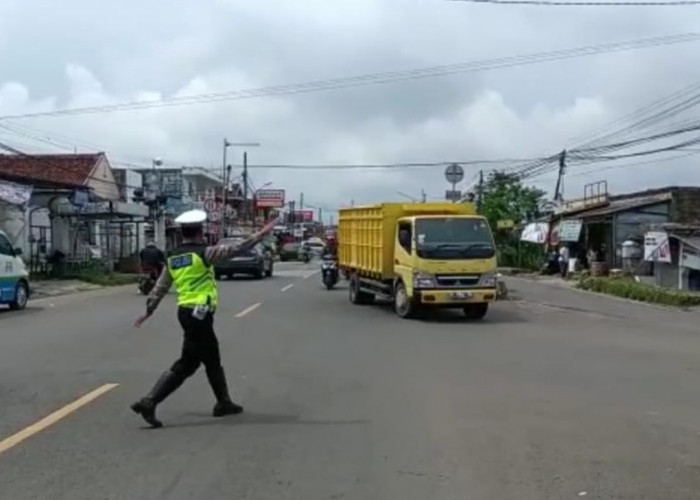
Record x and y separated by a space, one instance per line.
666 275
102 181
685 207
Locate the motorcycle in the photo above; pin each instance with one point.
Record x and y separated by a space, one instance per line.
329 272
147 280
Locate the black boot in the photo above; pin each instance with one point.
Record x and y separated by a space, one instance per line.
224 406
146 407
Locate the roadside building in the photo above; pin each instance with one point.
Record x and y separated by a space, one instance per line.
74 208
605 225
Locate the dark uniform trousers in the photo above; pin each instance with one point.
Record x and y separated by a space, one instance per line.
200 346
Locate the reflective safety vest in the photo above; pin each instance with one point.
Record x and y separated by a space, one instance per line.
193 277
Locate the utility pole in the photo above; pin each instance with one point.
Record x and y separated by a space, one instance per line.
559 189
558 196
222 229
480 198
246 212
227 180
320 215
301 201
423 195
227 145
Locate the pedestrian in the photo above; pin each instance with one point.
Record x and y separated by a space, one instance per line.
564 260
191 268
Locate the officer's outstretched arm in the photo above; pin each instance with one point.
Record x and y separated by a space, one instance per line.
222 253
159 291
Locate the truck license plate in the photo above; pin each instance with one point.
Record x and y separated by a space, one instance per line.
461 295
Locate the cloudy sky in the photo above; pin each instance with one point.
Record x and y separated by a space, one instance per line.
77 53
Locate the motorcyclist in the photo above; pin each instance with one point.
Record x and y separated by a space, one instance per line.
330 250
152 258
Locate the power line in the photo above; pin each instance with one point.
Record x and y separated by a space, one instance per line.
377 78
364 166
546 3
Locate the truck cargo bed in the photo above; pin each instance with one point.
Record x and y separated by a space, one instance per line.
366 234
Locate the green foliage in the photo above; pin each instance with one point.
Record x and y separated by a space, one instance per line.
523 255
504 197
630 289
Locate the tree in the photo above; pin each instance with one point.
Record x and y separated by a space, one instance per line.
504 197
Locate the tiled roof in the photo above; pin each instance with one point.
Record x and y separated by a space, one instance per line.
65 170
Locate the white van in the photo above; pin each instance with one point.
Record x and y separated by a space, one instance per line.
14 277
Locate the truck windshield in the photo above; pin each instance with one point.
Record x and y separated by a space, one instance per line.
454 238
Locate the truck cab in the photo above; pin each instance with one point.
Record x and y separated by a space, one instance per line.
444 261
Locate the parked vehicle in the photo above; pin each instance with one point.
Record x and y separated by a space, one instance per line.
289 251
421 255
305 253
329 271
14 276
315 246
257 262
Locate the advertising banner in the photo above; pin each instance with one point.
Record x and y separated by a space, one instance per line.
657 247
15 194
269 198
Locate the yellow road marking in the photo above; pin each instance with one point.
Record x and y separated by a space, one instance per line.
248 310
46 422
288 287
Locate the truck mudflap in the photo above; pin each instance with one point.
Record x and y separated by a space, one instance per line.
455 298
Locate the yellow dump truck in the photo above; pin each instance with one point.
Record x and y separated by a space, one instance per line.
419 255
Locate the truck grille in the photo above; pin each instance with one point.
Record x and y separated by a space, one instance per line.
457 280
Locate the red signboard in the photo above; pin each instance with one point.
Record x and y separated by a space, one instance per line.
304 216
269 198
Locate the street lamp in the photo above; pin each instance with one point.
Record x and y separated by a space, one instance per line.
226 179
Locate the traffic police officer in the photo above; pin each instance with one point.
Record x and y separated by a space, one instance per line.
191 268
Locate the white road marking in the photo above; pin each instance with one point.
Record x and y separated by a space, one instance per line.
248 310
288 287
312 273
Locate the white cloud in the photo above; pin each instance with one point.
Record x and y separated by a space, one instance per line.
69 60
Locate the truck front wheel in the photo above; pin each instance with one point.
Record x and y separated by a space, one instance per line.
403 305
476 311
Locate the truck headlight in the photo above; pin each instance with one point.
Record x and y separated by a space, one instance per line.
423 280
488 280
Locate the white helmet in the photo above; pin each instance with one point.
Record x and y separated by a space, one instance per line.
191 218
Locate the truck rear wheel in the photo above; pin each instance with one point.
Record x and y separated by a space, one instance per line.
357 296
476 311
403 306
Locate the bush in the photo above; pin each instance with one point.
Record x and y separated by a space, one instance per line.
630 289
520 255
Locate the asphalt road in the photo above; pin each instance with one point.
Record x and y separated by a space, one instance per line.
557 395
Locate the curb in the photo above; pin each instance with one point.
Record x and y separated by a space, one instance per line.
100 290
613 297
